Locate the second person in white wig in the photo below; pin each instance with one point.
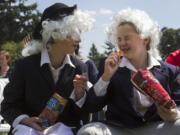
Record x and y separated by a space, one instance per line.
130 112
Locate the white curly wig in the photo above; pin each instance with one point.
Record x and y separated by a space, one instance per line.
72 25
145 26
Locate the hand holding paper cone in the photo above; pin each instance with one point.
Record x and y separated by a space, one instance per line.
146 83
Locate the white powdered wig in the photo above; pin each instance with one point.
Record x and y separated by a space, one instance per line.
145 26
72 25
32 47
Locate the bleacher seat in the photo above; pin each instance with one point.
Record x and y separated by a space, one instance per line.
4 128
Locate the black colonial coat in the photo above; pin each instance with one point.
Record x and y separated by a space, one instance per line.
31 86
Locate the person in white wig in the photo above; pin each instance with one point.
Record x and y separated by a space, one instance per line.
40 97
130 112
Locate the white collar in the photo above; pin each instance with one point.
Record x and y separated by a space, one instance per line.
45 59
151 63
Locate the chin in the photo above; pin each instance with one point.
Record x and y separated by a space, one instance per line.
127 57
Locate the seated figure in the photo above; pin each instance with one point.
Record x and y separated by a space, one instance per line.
48 69
130 112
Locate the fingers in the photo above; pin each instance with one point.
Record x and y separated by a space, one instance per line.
113 59
35 123
164 109
80 80
167 114
36 119
80 83
82 77
111 66
36 126
32 122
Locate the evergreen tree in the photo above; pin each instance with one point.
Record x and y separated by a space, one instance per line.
93 51
94 54
170 41
16 19
109 48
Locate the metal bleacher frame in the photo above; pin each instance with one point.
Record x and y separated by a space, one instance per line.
4 128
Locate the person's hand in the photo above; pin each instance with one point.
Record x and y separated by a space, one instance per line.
80 83
167 114
33 122
111 65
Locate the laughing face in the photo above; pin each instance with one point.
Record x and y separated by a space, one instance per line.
130 42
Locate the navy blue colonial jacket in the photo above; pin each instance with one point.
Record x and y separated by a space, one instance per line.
120 98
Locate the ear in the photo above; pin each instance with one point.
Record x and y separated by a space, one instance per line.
147 42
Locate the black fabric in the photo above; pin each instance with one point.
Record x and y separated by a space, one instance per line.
57 11
120 99
92 71
31 86
54 12
66 81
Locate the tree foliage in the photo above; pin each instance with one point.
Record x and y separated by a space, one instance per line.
94 54
109 48
14 49
17 19
170 41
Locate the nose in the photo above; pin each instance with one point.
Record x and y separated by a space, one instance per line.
121 43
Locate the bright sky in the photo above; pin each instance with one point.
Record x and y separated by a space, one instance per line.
165 12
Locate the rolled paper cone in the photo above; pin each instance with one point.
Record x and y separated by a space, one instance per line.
146 83
120 53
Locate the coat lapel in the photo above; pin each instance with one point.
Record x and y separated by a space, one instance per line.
45 72
65 81
127 87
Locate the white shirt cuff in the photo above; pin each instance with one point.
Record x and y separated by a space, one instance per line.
81 101
18 120
100 87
